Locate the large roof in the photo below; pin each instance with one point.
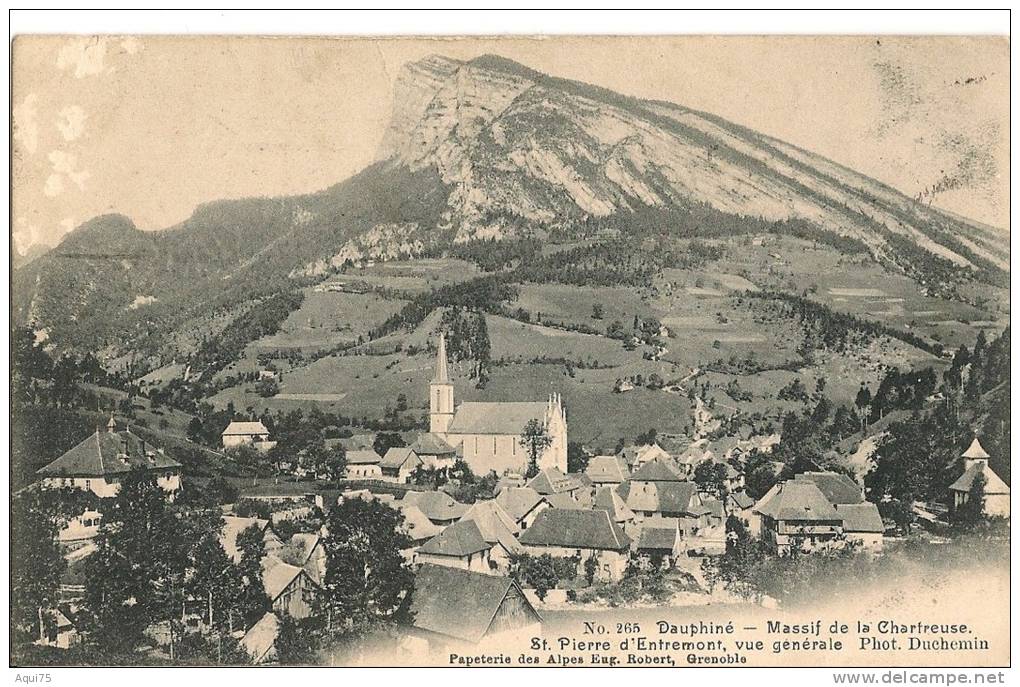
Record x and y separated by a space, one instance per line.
474 417
797 500
661 497
233 525
518 501
975 450
108 453
259 640
429 444
861 517
436 505
603 469
656 471
496 525
245 428
460 539
396 456
657 537
575 529
607 499
416 524
836 487
459 603
993 483
363 457
552 481
277 575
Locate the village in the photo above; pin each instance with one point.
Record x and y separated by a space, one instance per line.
485 564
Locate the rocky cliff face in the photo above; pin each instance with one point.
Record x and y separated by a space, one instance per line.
512 142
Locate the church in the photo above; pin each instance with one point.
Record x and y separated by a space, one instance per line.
488 434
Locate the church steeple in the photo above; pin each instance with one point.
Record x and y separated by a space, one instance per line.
441 394
442 376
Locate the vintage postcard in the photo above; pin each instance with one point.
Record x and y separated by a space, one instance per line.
529 351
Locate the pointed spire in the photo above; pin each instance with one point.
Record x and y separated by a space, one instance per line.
976 450
442 376
111 426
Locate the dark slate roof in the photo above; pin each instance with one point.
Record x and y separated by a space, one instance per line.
496 525
108 453
552 481
474 417
459 603
431 445
607 469
518 501
861 517
656 471
798 500
459 539
657 538
397 456
836 487
575 529
661 497
436 505
607 499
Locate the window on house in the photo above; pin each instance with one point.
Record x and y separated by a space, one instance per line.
88 484
493 445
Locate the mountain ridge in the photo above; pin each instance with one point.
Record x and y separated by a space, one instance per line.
480 149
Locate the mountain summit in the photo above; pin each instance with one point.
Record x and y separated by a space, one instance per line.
489 148
512 142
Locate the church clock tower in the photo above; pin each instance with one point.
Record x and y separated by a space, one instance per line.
440 394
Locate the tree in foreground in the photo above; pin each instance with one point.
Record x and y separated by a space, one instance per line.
35 578
367 577
535 441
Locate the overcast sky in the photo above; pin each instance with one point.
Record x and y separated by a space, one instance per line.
151 127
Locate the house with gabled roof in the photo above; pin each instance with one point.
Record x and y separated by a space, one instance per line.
607 470
100 462
363 464
434 451
837 488
552 481
975 462
438 506
523 504
290 588
669 499
233 525
461 545
498 528
796 515
636 456
660 540
399 463
451 607
416 525
609 500
862 524
259 642
582 533
241 433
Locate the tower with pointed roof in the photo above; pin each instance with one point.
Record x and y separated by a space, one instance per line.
441 394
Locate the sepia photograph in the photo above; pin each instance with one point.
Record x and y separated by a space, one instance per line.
510 351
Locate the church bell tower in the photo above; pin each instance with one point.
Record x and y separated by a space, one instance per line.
441 394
